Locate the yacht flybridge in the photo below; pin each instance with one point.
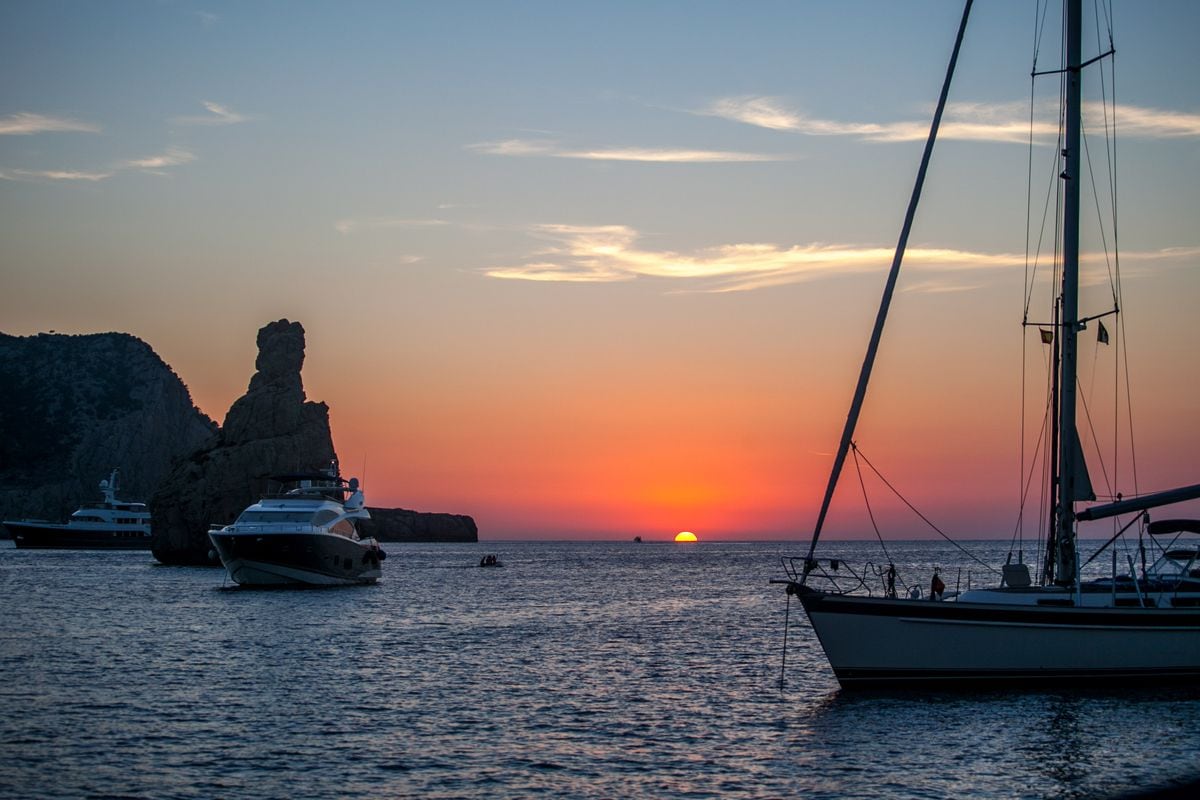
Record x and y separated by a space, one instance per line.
1136 617
303 534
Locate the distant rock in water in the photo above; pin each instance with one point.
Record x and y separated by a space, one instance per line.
402 525
73 408
270 430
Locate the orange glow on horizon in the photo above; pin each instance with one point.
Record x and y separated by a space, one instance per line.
602 438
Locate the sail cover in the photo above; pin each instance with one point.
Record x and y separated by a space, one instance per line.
1165 527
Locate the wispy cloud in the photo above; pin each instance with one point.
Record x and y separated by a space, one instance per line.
24 123
217 115
53 175
1149 262
762 112
990 122
173 157
678 156
1096 269
546 148
347 226
1153 123
157 164
938 287
978 122
610 253
516 147
1172 254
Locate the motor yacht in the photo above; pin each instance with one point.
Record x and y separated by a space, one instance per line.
303 534
109 524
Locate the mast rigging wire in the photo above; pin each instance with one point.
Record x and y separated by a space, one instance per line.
914 509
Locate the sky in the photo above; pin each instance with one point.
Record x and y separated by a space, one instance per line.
597 270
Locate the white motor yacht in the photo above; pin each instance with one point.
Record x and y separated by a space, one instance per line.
302 535
109 524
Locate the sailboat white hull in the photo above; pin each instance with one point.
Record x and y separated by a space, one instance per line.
872 641
1134 626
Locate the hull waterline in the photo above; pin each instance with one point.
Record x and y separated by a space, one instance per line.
873 642
297 559
33 536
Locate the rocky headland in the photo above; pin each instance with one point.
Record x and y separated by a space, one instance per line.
73 408
402 525
272 429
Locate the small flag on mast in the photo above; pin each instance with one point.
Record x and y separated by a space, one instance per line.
1047 336
1102 334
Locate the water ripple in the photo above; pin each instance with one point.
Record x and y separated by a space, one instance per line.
581 670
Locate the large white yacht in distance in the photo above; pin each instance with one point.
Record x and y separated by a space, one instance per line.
304 534
109 524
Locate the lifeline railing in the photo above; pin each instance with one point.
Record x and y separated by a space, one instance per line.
839 574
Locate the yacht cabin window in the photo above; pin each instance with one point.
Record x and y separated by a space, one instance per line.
275 517
324 516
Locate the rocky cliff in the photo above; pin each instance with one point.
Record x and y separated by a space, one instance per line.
402 525
72 408
272 429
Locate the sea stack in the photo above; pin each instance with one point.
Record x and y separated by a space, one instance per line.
270 430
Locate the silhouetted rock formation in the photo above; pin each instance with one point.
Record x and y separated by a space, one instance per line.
402 525
74 407
269 430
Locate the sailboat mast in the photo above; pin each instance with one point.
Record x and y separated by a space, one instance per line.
864 376
1068 446
1052 521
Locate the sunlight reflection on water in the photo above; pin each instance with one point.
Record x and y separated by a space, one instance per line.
587 670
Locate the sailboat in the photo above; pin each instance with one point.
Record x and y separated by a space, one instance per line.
1139 624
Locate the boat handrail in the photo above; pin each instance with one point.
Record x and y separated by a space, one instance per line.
320 492
836 572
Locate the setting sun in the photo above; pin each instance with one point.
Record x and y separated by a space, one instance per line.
685 536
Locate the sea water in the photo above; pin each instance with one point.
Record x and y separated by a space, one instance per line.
616 669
